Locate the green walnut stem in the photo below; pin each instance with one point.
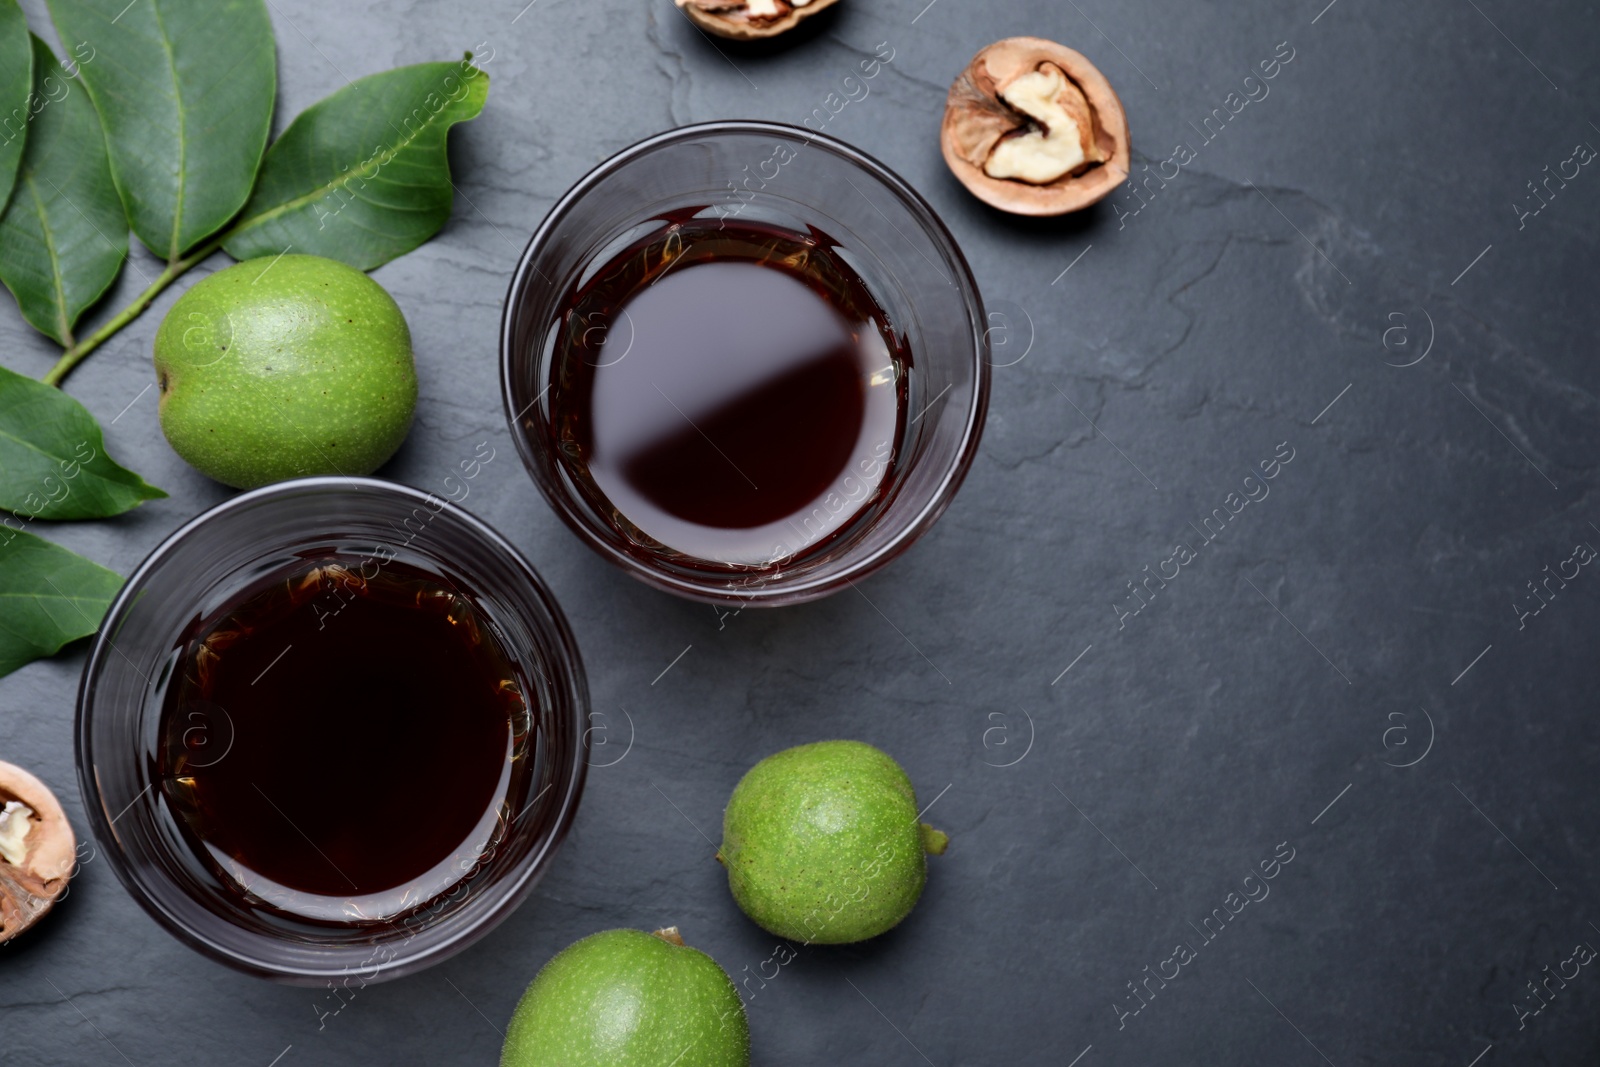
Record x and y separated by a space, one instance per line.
176 269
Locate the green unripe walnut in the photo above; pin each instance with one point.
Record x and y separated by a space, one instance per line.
278 368
625 998
822 843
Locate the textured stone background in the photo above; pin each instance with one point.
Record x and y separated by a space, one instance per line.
1263 684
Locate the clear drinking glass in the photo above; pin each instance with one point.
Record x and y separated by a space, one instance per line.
207 563
791 177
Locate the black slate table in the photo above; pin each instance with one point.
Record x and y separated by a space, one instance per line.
1346 277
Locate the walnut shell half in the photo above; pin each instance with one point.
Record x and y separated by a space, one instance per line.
750 20
37 850
1001 135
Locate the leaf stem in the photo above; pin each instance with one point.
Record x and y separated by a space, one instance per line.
176 269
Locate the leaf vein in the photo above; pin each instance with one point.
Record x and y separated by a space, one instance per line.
56 280
341 181
183 135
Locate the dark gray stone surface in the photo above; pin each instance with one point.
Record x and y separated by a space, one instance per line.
1100 813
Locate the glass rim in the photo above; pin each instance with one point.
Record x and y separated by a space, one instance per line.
710 588
515 887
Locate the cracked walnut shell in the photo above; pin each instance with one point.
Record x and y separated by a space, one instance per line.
1033 128
37 850
750 20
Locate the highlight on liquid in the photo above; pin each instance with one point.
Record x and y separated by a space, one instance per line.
729 392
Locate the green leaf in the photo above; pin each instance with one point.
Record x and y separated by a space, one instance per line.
53 462
185 89
48 596
64 237
363 176
16 82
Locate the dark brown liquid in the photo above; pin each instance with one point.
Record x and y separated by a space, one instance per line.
734 392
341 746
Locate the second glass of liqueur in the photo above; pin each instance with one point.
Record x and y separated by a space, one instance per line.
735 392
745 362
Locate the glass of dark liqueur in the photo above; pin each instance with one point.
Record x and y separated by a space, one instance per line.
745 362
332 731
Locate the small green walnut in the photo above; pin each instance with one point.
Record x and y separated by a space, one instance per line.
279 367
625 998
823 845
